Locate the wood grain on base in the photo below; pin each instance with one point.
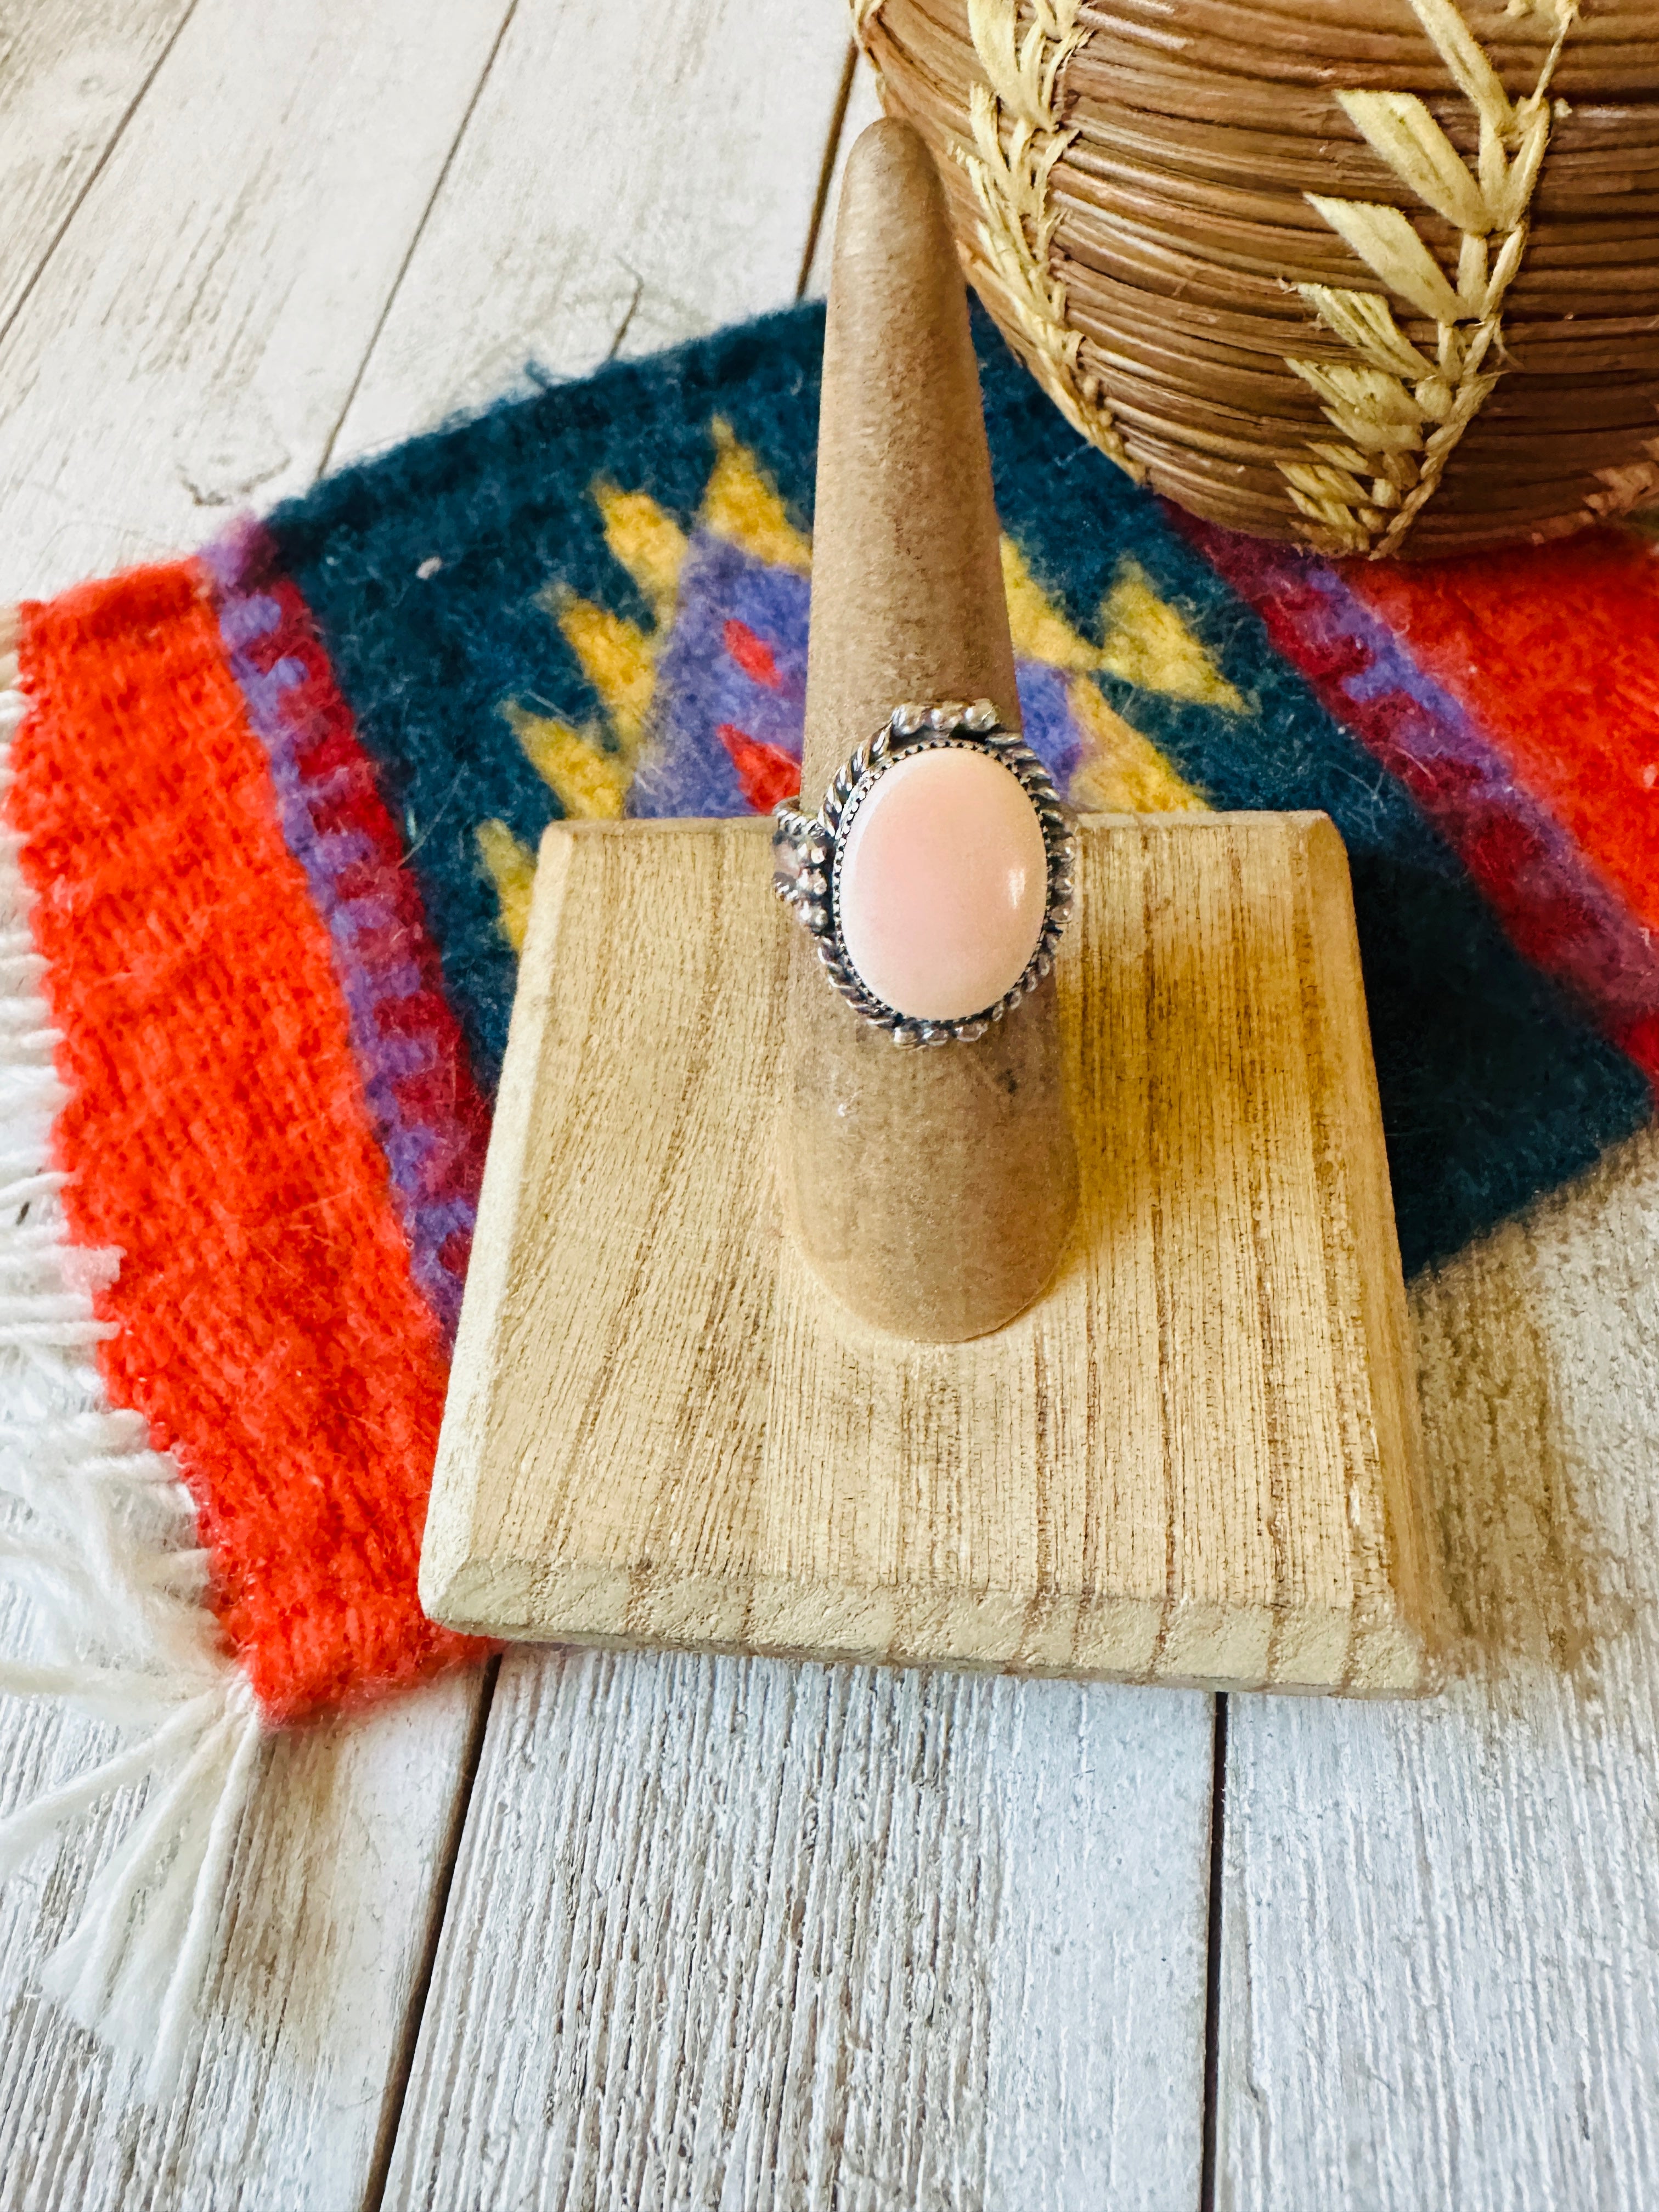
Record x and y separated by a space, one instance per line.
1195 1460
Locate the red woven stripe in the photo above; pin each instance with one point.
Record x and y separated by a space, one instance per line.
1555 650
1559 909
269 1327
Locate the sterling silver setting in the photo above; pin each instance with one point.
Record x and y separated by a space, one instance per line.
807 850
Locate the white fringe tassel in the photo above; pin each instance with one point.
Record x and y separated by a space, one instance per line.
98 1531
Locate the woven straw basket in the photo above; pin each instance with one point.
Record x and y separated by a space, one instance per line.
1375 276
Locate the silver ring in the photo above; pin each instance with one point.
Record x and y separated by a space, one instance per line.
809 851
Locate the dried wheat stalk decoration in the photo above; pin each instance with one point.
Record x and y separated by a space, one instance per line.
1401 415
1018 137
1290 309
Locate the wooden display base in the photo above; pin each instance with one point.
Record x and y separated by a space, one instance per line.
1196 1459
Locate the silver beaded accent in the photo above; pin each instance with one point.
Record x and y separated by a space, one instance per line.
806 853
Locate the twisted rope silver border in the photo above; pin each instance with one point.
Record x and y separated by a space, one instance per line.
809 849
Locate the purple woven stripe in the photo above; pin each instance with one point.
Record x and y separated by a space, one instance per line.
386 972
1431 742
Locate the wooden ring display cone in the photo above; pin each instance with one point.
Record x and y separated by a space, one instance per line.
932 1191
1085 1353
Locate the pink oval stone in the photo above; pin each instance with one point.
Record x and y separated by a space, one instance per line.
942 886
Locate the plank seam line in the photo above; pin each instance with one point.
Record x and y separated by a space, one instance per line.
827 168
1212 1959
96 171
397 284
402 2070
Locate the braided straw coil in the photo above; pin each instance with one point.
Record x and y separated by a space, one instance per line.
1374 277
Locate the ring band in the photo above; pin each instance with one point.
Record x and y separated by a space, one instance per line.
810 854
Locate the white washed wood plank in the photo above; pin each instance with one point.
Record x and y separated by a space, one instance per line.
734 1933
1441 1984
68 76
1097 1956
631 177
192 340
294 2072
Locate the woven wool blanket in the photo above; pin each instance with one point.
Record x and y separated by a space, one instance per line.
272 815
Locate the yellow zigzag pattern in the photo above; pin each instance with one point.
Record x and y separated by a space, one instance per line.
1142 640
1145 641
